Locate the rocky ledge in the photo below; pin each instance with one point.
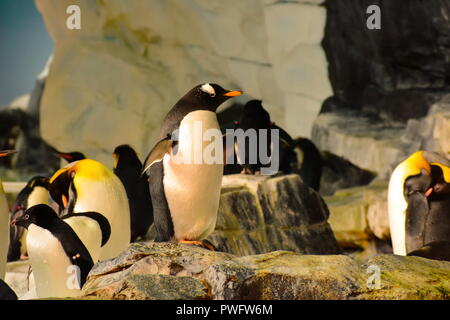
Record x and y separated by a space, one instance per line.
259 214
174 271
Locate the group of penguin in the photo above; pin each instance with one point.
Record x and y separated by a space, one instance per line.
86 212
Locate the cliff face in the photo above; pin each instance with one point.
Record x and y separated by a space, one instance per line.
113 81
395 70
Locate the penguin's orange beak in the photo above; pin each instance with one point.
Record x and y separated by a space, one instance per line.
233 93
5 153
428 192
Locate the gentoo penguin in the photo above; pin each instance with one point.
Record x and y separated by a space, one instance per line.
128 168
88 185
419 202
4 223
55 249
35 192
253 119
185 194
70 156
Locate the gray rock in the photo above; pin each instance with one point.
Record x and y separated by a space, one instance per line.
259 214
174 271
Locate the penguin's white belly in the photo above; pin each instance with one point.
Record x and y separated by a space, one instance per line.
192 190
109 199
4 231
52 269
89 232
397 207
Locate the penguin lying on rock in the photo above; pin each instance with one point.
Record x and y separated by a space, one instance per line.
35 192
128 168
419 206
60 260
185 194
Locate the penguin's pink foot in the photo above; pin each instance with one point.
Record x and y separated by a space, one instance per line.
200 243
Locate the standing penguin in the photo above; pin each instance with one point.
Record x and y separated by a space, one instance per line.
4 225
59 258
88 185
185 194
128 168
255 118
35 192
419 202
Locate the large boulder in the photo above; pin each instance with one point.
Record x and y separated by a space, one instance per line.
259 214
175 271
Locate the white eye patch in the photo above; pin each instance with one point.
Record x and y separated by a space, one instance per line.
208 89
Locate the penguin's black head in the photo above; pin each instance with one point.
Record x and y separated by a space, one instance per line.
41 215
254 109
417 184
125 154
38 181
22 197
72 156
209 96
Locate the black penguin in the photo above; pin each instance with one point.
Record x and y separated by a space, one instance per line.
128 168
311 166
186 195
70 156
47 234
253 118
34 192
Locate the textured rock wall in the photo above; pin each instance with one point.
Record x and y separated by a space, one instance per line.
260 214
113 81
393 69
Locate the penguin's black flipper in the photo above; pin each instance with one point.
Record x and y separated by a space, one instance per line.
161 213
416 215
6 293
434 250
157 153
101 220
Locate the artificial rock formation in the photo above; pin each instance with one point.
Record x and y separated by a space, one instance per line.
174 271
259 214
112 81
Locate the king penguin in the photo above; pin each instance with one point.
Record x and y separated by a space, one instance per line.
185 194
4 224
88 185
54 249
35 192
128 168
419 203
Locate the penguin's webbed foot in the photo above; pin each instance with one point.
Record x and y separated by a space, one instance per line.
200 243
